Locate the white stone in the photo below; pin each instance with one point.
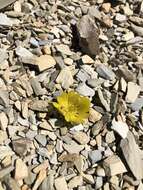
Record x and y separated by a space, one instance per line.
87 60
61 184
120 127
3 121
21 170
132 92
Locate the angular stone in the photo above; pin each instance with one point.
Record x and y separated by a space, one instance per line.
88 35
3 121
5 3
87 59
81 137
94 116
133 91
84 90
4 20
45 62
4 98
132 155
65 78
37 87
39 105
95 156
5 151
21 170
41 139
137 104
64 49
113 166
73 148
61 184
75 182
105 72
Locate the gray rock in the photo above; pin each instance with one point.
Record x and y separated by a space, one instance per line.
132 155
34 42
88 35
84 90
82 75
137 104
94 82
95 156
31 134
37 87
48 183
5 3
41 139
39 105
99 182
105 72
4 98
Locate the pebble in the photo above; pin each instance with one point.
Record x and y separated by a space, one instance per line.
81 137
21 170
75 182
64 49
45 62
65 78
94 116
84 90
95 156
105 72
133 91
41 139
137 104
87 59
3 121
60 183
113 166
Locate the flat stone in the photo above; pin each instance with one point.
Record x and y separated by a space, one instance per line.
137 104
4 4
94 116
132 155
120 127
81 137
75 182
41 139
133 91
88 178
38 90
84 90
73 148
65 78
39 105
105 72
21 170
61 184
4 98
95 156
4 20
86 59
3 121
94 82
113 166
99 182
64 49
45 62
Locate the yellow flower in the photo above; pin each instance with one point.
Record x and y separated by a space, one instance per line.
73 107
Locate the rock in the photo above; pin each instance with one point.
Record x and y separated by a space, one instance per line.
81 137
21 145
68 61
110 137
137 104
61 184
45 62
88 35
94 83
4 20
39 179
77 128
4 55
21 170
4 4
41 139
39 105
3 136
125 73
84 90
3 121
94 116
75 182
64 49
6 171
65 78
99 182
88 178
137 29
87 60
5 151
120 18
38 90
4 98
100 172
42 166
106 7
48 183
82 75
133 91
132 155
105 72
113 166
95 156
120 127
73 148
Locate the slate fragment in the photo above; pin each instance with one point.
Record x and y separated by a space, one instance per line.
88 35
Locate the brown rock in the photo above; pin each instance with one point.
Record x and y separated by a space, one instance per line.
21 170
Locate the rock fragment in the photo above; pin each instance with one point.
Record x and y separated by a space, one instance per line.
21 170
61 184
